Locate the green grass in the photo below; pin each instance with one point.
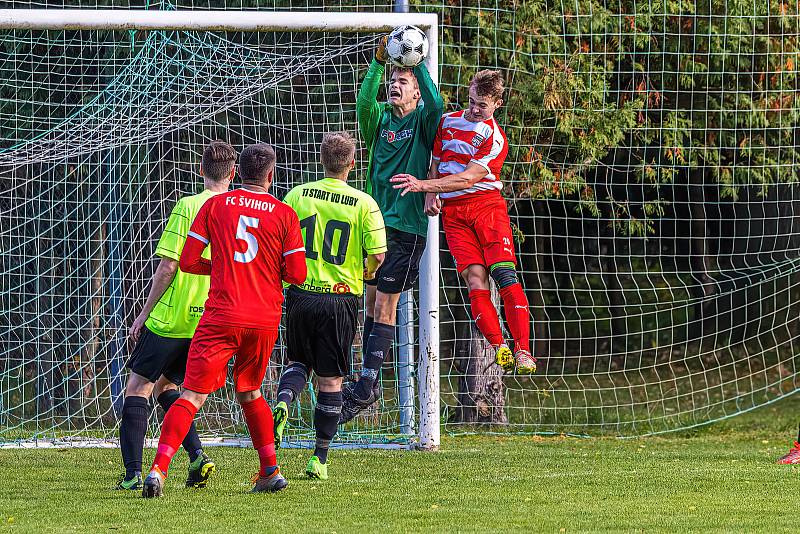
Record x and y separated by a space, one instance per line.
719 478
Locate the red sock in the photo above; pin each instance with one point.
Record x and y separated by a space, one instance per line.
176 425
517 316
485 316
258 417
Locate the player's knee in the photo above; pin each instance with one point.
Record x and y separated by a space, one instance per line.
369 301
329 384
386 308
476 277
163 384
247 396
504 275
197 399
138 386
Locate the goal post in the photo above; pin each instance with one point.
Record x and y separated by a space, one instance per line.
427 378
429 354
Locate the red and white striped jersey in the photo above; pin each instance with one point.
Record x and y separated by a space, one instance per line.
459 142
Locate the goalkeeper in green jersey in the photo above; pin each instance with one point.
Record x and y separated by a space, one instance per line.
340 224
399 134
164 329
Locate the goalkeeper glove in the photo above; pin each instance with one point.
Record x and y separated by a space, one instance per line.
380 54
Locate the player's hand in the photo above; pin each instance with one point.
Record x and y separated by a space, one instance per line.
433 205
407 183
380 53
136 328
369 275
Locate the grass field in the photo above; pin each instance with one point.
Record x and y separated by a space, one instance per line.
719 478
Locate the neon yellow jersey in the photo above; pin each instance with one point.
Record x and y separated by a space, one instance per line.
340 224
179 309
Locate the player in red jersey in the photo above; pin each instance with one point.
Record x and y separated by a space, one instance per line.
468 154
255 245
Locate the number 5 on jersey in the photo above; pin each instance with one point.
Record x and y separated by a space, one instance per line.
250 252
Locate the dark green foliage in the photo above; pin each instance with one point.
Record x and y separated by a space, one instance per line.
653 88
652 163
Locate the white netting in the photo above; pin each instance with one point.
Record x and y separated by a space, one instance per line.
651 182
102 135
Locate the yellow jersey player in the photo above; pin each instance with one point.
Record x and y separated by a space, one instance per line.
164 329
339 223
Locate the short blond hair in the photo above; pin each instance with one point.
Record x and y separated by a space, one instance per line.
488 83
218 160
337 152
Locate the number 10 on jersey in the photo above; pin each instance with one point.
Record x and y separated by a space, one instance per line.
309 224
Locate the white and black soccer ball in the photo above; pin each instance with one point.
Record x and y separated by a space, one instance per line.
407 46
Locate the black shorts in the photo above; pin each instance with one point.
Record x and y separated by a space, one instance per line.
400 267
320 329
155 355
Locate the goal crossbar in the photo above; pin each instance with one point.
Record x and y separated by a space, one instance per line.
255 21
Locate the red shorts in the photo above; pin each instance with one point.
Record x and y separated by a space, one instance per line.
478 230
213 346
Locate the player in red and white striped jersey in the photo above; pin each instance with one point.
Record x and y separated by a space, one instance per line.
461 143
468 154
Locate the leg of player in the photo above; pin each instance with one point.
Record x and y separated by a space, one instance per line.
201 467
132 429
398 272
378 346
293 379
485 315
176 424
516 307
326 422
258 417
369 307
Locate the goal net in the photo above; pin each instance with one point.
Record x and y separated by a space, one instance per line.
101 131
651 183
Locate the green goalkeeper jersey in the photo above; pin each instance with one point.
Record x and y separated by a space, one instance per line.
339 224
179 309
398 145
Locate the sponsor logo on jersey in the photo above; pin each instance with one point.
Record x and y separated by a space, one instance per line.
319 286
341 288
477 140
391 136
311 285
196 309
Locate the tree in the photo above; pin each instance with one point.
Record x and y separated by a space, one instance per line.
635 129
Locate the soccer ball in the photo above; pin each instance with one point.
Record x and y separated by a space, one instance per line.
407 46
